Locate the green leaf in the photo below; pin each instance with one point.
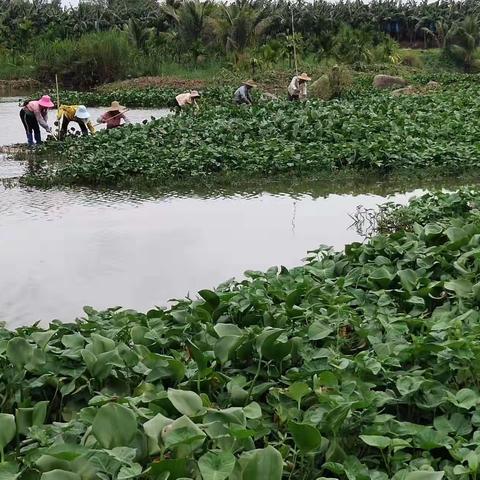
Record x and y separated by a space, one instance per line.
306 437
106 426
186 402
29 417
19 351
210 297
8 429
377 441
60 475
253 410
432 230
225 347
465 398
266 338
408 279
419 475
216 466
381 277
183 431
129 471
9 471
319 330
297 391
262 464
153 429
462 287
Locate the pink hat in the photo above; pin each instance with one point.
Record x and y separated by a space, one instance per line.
46 102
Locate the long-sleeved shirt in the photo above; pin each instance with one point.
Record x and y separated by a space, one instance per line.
186 99
69 111
297 89
242 95
41 114
113 119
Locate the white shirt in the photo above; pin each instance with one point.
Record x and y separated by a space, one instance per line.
297 88
185 99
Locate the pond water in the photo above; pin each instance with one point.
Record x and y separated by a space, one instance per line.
61 249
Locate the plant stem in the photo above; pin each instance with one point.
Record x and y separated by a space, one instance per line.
257 373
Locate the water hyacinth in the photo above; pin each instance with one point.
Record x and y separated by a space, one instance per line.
371 130
360 364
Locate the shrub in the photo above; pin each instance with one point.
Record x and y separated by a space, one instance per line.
93 59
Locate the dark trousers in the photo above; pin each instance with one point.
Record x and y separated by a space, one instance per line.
32 128
294 98
66 122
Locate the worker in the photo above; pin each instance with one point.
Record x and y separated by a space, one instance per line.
34 114
74 113
113 116
297 90
187 100
242 95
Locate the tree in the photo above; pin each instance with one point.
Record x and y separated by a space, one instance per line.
462 40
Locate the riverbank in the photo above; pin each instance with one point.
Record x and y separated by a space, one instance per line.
371 130
313 371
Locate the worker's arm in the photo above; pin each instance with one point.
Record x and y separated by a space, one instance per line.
246 96
42 121
294 87
91 127
101 118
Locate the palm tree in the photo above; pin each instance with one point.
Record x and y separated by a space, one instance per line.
462 40
242 24
138 34
191 19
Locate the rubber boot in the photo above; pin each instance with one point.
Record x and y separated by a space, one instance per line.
30 139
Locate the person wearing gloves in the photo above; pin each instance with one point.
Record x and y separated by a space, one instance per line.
113 116
34 114
242 95
297 90
187 100
74 113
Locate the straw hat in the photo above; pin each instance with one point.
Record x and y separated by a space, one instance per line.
304 77
82 113
116 107
250 83
46 102
194 94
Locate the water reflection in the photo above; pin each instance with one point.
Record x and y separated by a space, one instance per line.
61 249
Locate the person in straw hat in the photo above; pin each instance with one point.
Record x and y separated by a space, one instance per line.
242 95
187 100
297 90
34 114
114 116
74 113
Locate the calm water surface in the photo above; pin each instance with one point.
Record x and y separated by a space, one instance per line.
62 249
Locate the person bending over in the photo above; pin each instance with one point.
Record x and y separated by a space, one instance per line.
243 95
297 90
34 114
114 116
74 113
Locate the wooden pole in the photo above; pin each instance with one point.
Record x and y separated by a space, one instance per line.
59 120
294 44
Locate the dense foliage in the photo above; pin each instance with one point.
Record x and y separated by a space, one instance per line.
430 207
358 365
367 131
249 34
142 98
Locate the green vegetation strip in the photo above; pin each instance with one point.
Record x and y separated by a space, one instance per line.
151 97
357 365
368 131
